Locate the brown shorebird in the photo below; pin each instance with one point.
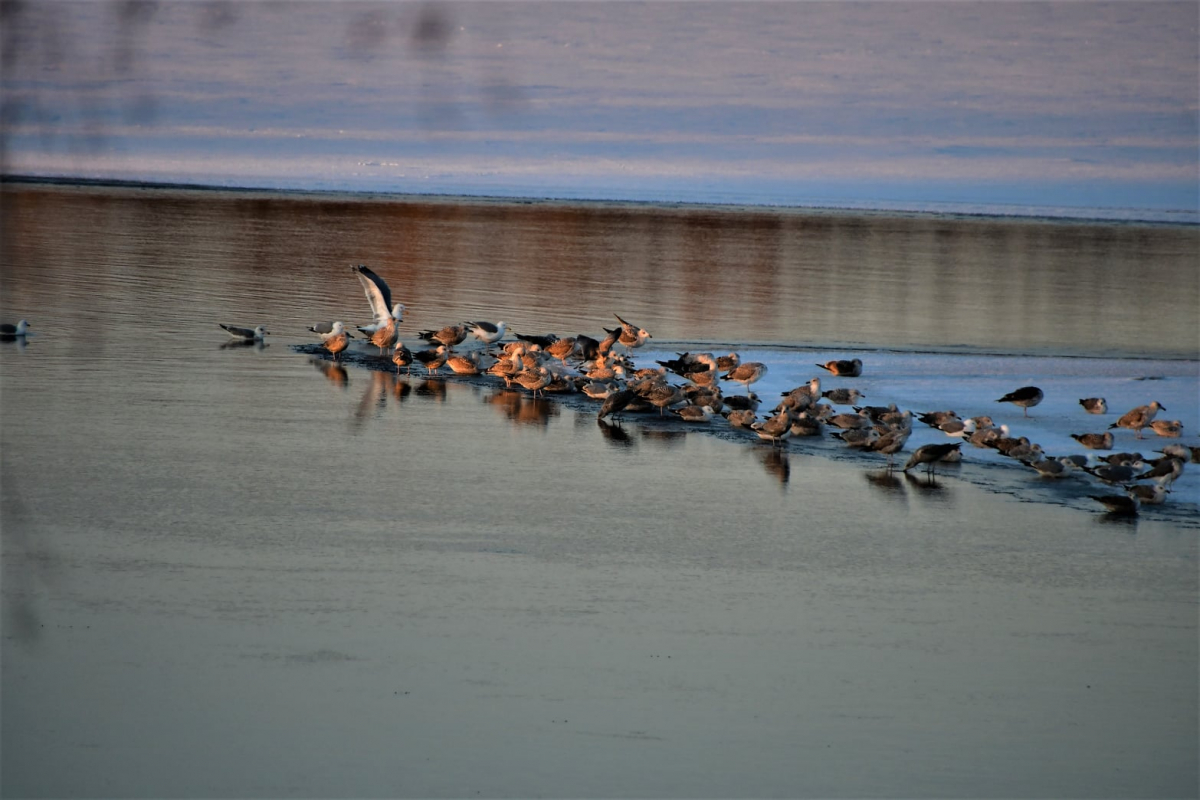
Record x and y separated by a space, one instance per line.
1138 418
337 340
844 368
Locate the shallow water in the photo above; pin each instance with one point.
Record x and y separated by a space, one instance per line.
241 572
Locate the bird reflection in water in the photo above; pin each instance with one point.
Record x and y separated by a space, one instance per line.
776 462
374 398
432 390
335 373
522 408
887 482
401 390
663 438
241 344
615 434
928 486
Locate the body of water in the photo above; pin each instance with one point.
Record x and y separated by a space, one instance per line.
250 572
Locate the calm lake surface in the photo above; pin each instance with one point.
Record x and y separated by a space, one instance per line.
241 572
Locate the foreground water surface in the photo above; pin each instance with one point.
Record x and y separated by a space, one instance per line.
243 572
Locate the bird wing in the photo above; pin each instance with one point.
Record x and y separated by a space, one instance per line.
378 293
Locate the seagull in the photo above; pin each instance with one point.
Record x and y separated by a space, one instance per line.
844 368
463 365
694 413
740 417
535 379
402 357
1026 397
541 341
746 374
1117 473
1165 471
1138 418
1118 504
843 397
739 402
449 335
1151 495
1094 441
562 349
324 329
380 298
8 330
248 334
889 444
432 359
487 332
631 336
1172 428
1094 405
616 402
337 340
776 429
1052 467
931 454
663 395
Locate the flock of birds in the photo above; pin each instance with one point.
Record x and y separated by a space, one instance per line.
603 369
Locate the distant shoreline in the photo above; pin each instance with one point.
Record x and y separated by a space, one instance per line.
1173 219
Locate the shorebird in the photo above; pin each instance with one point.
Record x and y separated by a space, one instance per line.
11 331
1118 504
487 332
1094 405
746 374
1164 427
843 397
379 295
889 444
931 454
1026 397
935 419
728 362
805 424
694 413
1052 467
448 336
463 365
1151 495
1117 473
1138 418
983 437
631 336
402 357
616 402
858 437
324 329
844 368
775 430
337 340
247 334
740 417
662 395
1164 472
1094 441
535 379
562 349
433 359
740 402
541 341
